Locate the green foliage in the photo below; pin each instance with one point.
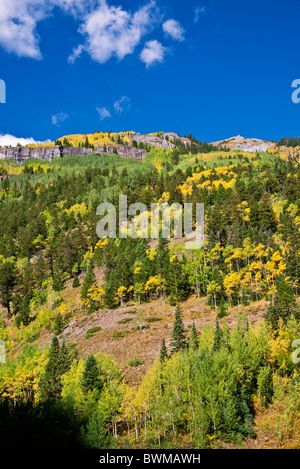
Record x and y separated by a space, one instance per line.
93 330
193 341
136 362
59 361
265 386
179 341
223 310
118 335
125 321
76 282
89 280
153 319
93 434
284 304
59 324
163 352
91 379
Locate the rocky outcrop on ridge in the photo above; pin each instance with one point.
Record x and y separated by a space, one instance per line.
250 145
49 152
153 140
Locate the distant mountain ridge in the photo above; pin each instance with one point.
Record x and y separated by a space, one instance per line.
250 145
127 144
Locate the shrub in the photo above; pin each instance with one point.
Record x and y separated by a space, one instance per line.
93 330
76 282
118 335
136 362
34 337
125 321
152 319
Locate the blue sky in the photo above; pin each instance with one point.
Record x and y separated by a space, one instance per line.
212 68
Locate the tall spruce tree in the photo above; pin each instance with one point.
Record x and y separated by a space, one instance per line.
218 337
89 280
50 382
93 436
194 341
163 351
179 341
284 304
65 358
91 378
8 281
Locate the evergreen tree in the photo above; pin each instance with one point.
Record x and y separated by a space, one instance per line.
284 304
218 337
91 375
58 324
222 308
163 351
93 436
50 382
76 282
89 280
179 341
265 386
23 312
8 281
65 358
194 341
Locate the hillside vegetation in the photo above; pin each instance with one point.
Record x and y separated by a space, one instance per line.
138 342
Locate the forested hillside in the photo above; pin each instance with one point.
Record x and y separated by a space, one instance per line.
211 381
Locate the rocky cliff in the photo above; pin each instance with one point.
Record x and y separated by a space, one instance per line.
48 153
153 141
250 145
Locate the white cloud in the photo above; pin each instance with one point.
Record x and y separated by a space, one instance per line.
103 113
77 51
75 7
7 139
199 11
152 53
59 118
122 105
173 29
110 31
18 20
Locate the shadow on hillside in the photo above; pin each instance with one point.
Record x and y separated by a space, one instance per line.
42 426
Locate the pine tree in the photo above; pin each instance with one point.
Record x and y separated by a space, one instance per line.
65 358
163 351
218 337
58 324
23 312
94 435
179 341
222 308
284 304
50 382
76 282
91 375
265 386
8 280
89 280
194 341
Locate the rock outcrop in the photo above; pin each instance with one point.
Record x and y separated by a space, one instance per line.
153 141
49 152
250 145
